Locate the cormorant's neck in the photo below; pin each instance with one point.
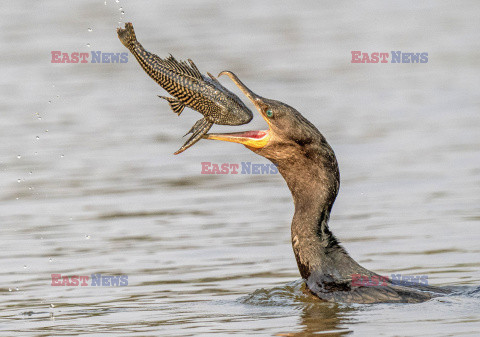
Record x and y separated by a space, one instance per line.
313 177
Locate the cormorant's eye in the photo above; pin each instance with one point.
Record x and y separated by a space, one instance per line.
269 113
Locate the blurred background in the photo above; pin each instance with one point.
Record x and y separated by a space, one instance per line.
89 183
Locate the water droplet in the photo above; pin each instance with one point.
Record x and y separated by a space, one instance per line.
122 12
9 289
88 45
19 156
49 102
30 172
50 260
120 9
46 130
35 153
117 1
37 137
61 156
53 85
19 181
25 266
89 29
105 3
16 288
87 237
17 198
52 305
39 118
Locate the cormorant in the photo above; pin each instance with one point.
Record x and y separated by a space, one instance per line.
309 166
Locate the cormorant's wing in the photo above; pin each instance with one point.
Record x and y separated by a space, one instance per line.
374 294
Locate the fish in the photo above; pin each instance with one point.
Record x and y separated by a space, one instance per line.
189 88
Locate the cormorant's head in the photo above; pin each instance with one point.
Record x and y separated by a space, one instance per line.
288 136
291 142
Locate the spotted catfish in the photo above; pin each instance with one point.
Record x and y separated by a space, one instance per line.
189 88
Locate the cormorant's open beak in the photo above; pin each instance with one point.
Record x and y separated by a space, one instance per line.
251 139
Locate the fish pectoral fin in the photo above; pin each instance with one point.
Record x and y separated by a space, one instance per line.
175 104
197 126
200 128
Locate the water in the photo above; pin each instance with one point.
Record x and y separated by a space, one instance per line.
101 192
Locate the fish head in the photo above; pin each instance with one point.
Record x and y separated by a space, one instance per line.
234 111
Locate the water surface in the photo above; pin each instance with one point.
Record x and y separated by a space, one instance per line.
99 190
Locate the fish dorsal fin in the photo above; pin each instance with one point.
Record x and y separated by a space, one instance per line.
182 67
175 104
194 68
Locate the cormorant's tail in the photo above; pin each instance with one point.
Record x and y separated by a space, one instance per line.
127 36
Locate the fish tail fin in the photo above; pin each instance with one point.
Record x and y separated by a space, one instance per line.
127 35
175 104
200 128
